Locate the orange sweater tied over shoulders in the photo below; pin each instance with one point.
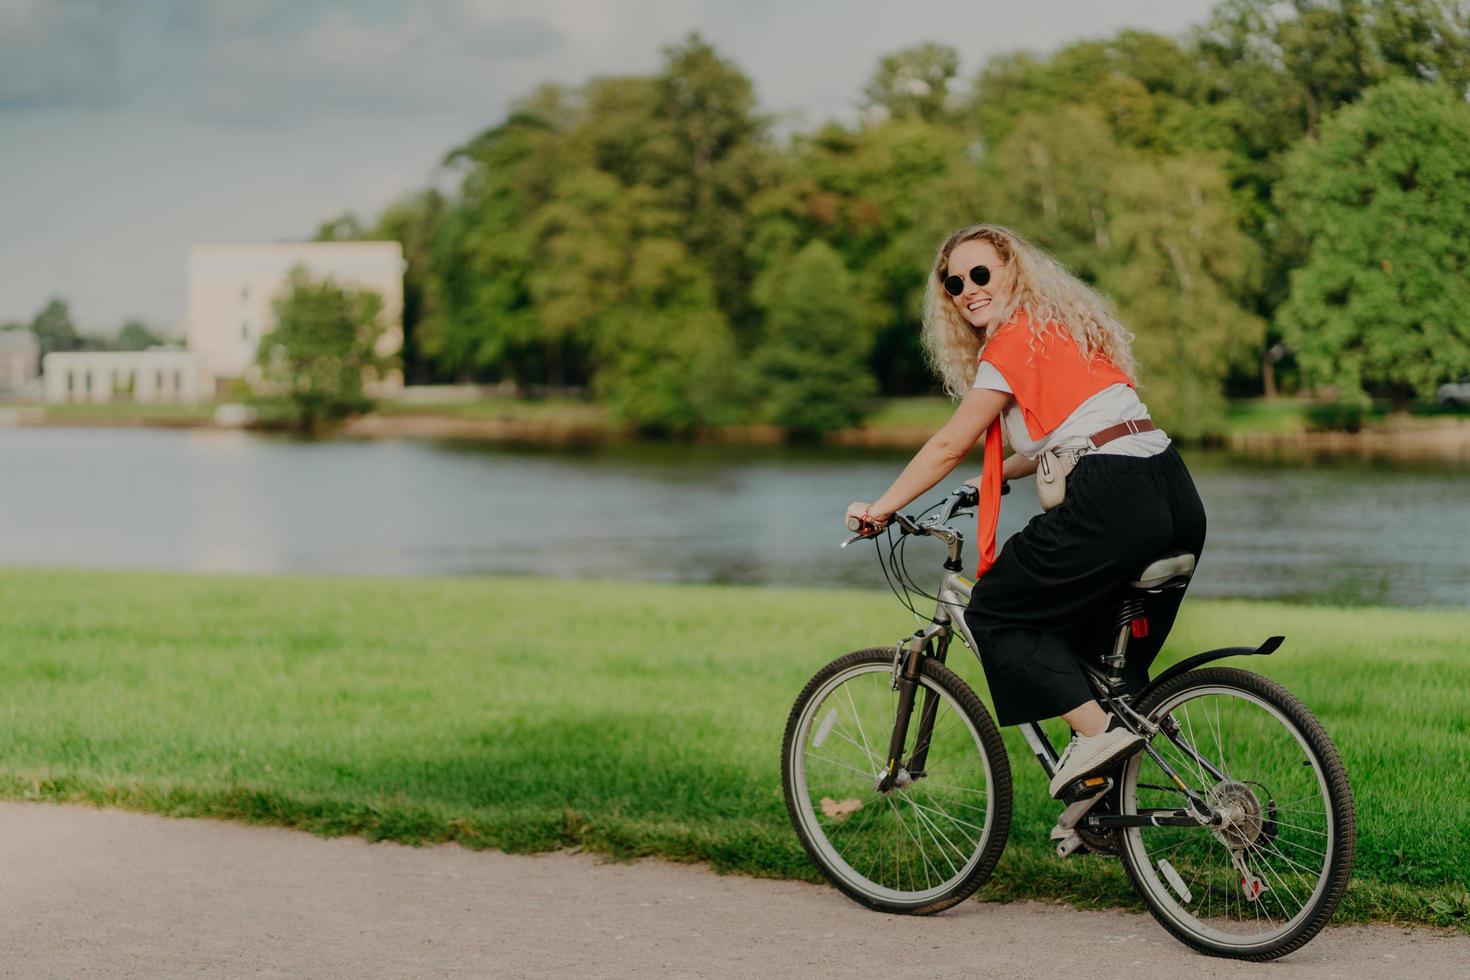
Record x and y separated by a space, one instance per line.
1049 378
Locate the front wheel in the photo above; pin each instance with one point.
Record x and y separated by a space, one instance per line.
932 839
1266 879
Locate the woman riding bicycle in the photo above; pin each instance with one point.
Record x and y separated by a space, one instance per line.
1014 335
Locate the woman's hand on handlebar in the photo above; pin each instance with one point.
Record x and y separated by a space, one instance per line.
1005 484
862 520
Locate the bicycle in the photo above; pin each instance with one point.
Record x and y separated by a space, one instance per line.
1235 820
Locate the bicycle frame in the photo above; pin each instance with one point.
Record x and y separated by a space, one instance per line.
955 592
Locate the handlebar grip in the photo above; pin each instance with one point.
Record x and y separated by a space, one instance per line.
854 525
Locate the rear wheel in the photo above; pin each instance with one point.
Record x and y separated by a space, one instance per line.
1265 881
930 841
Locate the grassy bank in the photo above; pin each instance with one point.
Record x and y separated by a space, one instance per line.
560 410
892 421
631 719
116 412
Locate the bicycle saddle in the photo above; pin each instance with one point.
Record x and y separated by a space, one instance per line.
1172 569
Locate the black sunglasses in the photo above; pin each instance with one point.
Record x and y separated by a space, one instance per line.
980 275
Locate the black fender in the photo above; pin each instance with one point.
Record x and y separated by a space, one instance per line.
1203 658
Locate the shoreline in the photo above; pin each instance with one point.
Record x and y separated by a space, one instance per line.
1445 440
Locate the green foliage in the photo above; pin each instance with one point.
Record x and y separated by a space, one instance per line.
1382 203
414 221
915 82
667 356
313 364
1156 234
1148 163
54 329
810 368
1146 87
135 335
880 196
346 227
530 277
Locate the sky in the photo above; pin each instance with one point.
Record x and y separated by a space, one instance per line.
131 129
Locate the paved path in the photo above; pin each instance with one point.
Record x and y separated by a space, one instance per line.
108 893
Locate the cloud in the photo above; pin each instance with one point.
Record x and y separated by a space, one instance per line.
59 52
266 60
434 54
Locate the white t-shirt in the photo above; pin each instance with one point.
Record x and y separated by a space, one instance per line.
1114 404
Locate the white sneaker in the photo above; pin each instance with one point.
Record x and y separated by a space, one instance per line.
1089 753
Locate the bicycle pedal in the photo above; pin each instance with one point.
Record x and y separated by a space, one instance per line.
1087 788
1078 807
1069 845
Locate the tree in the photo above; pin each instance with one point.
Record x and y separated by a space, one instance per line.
707 154
479 317
345 227
1156 234
1179 267
54 329
414 221
1146 87
667 359
1277 69
878 194
313 364
1382 206
915 82
811 367
135 335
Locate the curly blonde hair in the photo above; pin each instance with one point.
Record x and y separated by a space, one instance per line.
1042 286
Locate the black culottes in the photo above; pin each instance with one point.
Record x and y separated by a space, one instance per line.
1045 601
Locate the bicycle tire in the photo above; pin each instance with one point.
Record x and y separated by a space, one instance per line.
846 879
1338 819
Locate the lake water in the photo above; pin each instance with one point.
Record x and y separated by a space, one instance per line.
205 500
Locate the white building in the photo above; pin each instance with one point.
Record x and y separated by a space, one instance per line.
159 374
231 288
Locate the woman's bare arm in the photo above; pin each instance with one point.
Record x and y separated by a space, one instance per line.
944 450
1017 465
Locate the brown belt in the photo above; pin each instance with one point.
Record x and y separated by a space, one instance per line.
1122 429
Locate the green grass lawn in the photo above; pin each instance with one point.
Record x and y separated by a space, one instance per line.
632 719
559 410
1276 415
130 411
920 412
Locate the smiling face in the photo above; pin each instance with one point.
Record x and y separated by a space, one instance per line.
979 306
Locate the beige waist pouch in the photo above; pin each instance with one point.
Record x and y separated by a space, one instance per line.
1051 477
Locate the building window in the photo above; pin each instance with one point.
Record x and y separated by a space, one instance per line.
71 382
158 379
244 293
178 381
245 330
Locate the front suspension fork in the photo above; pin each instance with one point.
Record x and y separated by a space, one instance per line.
908 686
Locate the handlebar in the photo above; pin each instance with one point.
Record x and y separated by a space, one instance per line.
966 496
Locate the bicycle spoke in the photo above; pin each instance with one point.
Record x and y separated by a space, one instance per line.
923 835
842 765
859 719
935 829
952 819
1260 756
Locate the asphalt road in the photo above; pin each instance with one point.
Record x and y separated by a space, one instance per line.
108 893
